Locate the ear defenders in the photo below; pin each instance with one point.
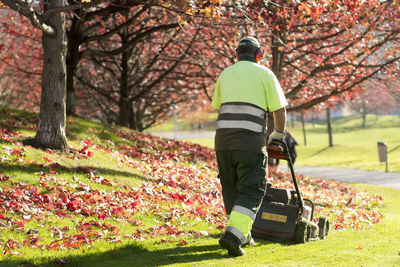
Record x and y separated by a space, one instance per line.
259 54
251 42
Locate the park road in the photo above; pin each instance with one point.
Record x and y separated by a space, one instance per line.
387 179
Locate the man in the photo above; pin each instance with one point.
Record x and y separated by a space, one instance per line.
244 94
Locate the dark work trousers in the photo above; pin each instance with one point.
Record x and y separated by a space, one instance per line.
243 176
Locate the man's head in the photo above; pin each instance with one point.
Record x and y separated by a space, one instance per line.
249 47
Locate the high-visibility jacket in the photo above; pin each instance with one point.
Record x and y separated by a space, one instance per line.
244 94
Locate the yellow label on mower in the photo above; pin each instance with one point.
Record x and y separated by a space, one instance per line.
274 217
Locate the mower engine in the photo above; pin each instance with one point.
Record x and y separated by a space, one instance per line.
283 215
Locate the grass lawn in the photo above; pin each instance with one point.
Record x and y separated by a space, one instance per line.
354 147
121 198
377 246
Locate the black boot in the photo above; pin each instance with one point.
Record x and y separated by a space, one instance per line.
231 243
249 241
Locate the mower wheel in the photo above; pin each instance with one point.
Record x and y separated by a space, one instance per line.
302 232
323 225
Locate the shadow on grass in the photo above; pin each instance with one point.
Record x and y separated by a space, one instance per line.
138 255
133 255
393 149
319 151
60 169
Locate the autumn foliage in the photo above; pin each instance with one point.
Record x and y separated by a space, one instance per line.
19 48
79 205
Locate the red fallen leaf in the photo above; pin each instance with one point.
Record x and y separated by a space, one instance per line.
95 198
359 248
11 243
75 241
106 182
49 151
183 242
58 165
18 223
62 214
101 216
47 159
84 227
51 171
88 142
4 178
18 152
31 241
73 205
136 222
54 245
43 184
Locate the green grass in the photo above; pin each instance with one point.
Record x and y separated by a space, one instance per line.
354 147
377 246
185 124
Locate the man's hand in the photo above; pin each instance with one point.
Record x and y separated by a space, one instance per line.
276 136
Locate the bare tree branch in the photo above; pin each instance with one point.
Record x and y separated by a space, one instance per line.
23 8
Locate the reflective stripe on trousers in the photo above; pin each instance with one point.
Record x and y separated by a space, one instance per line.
240 222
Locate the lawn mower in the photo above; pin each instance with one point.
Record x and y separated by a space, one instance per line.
283 215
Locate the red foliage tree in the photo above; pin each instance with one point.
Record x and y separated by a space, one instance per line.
20 62
49 17
375 97
323 49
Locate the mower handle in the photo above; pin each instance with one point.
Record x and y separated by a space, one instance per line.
279 150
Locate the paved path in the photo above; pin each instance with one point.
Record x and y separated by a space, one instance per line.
387 179
185 134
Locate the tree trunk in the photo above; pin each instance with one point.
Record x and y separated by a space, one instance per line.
329 123
277 51
364 119
70 104
51 129
125 112
125 104
313 119
73 57
293 118
303 127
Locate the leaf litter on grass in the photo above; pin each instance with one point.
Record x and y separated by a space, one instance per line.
182 189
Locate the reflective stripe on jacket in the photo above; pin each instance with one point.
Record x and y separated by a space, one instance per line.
241 115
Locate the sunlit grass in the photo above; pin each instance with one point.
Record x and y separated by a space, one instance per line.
354 147
377 245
